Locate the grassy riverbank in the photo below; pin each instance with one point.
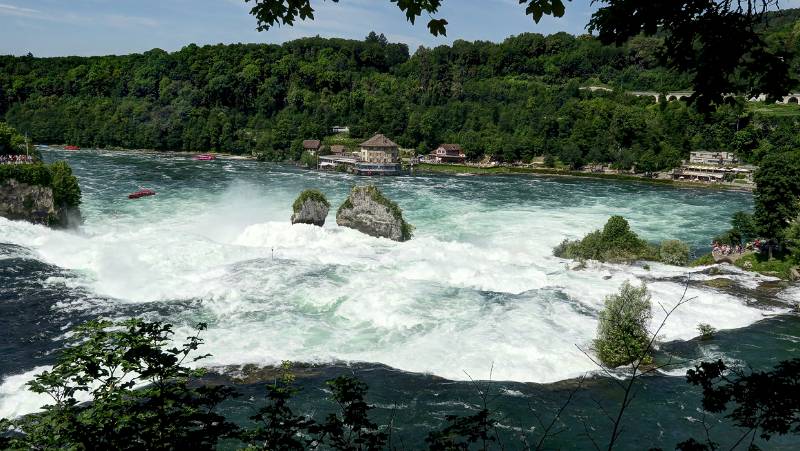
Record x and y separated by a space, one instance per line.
499 170
780 266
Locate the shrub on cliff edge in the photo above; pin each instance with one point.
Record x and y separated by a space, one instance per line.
65 186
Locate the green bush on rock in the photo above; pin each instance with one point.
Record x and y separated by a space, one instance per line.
310 207
49 194
57 176
366 209
309 194
622 335
616 243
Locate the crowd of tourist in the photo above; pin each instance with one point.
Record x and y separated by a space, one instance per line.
16 159
718 248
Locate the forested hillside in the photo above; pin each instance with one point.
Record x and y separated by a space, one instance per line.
512 100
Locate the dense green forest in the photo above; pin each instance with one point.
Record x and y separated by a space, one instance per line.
512 100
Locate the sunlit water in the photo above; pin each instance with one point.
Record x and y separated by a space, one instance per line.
476 290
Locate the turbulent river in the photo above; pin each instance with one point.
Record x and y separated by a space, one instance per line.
476 294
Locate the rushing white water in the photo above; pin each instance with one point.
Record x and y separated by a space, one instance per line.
476 289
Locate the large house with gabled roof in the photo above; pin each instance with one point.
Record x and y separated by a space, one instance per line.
379 149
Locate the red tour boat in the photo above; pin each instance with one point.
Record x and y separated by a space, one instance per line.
72 148
205 157
141 193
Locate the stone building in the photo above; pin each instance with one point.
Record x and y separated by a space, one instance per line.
379 149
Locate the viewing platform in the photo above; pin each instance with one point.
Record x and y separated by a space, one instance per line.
355 166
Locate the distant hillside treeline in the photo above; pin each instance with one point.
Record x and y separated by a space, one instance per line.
512 100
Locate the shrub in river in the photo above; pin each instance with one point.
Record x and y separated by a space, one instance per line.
616 243
706 331
622 335
674 252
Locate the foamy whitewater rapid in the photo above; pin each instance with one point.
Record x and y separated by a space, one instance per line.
476 289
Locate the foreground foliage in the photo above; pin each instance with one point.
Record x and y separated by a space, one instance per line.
140 388
763 403
622 334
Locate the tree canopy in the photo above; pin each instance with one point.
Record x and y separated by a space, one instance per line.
514 100
777 195
716 42
11 142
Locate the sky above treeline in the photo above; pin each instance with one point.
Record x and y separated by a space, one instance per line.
100 27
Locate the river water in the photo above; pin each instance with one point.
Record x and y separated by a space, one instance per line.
476 294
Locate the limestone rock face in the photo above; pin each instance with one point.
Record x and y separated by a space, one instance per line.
311 207
34 203
369 212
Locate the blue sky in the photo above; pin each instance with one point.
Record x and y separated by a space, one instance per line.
100 27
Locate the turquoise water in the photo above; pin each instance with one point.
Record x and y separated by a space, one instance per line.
476 292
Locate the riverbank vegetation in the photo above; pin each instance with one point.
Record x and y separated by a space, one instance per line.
57 176
511 101
771 235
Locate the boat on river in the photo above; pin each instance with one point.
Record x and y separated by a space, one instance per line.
72 148
205 157
144 192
